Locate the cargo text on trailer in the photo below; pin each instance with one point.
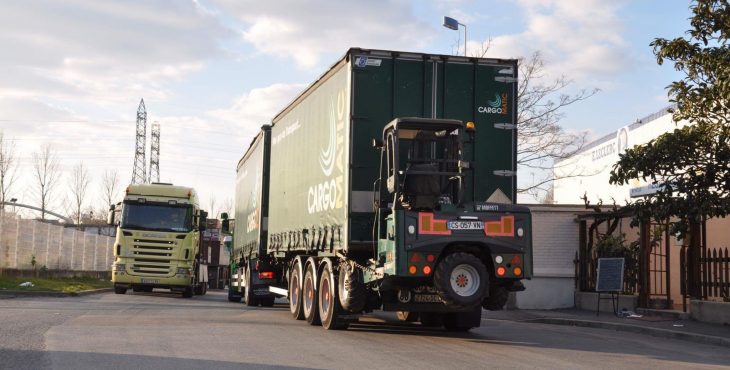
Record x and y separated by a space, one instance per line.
424 224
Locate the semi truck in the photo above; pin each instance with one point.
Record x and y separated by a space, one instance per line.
389 183
157 240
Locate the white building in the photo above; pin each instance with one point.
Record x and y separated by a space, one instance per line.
588 171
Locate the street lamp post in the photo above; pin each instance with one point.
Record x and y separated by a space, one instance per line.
453 24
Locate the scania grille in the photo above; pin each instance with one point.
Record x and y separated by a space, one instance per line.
152 257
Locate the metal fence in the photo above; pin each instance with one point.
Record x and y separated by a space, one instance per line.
31 244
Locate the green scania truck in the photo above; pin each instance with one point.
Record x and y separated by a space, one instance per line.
158 240
389 183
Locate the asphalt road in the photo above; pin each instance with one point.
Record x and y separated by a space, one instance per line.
164 331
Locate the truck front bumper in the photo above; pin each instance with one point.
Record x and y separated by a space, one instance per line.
175 282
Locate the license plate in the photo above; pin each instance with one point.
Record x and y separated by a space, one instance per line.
426 298
150 281
466 225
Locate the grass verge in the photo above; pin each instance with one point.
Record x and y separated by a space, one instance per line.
65 285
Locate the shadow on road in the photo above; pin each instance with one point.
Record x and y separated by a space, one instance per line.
32 360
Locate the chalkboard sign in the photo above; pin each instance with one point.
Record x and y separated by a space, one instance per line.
610 275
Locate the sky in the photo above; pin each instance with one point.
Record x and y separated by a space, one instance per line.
211 72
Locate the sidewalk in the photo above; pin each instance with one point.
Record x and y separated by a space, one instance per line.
649 325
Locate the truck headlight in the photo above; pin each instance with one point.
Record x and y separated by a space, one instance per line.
183 271
119 267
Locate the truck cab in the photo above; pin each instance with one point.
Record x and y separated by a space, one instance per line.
157 240
439 249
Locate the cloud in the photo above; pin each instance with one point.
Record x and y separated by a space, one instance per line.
306 30
102 49
579 38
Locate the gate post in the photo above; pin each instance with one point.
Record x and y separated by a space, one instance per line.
693 262
644 257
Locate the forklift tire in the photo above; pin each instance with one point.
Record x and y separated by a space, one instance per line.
267 301
328 301
431 319
120 290
188 292
295 291
248 297
498 297
461 280
352 292
309 295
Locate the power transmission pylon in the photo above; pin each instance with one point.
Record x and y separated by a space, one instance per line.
155 153
139 173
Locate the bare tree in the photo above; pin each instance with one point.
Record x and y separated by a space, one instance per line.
542 140
8 168
227 207
47 174
212 207
109 187
79 185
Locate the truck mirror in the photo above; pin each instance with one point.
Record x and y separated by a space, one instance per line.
224 215
202 219
377 143
225 225
110 216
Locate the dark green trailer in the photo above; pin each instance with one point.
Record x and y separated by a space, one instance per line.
352 228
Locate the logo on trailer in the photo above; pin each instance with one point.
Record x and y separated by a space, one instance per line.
328 194
496 106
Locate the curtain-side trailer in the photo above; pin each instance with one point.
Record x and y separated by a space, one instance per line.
389 183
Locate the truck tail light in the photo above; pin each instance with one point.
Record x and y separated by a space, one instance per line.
430 258
266 275
412 270
501 271
427 270
517 271
516 260
415 258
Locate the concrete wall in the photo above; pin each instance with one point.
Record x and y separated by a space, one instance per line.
711 312
555 242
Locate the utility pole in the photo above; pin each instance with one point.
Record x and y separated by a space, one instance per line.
155 153
139 173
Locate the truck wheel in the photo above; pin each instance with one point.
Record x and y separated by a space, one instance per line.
407 316
295 291
188 292
351 291
198 289
461 279
328 301
232 297
498 297
309 299
248 296
119 290
431 319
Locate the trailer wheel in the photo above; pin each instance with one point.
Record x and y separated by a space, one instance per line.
248 296
295 291
119 290
309 293
407 316
328 300
498 297
461 279
188 292
351 291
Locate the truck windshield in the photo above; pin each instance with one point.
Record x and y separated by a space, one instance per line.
157 217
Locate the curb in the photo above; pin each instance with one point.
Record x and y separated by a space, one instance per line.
655 332
30 293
